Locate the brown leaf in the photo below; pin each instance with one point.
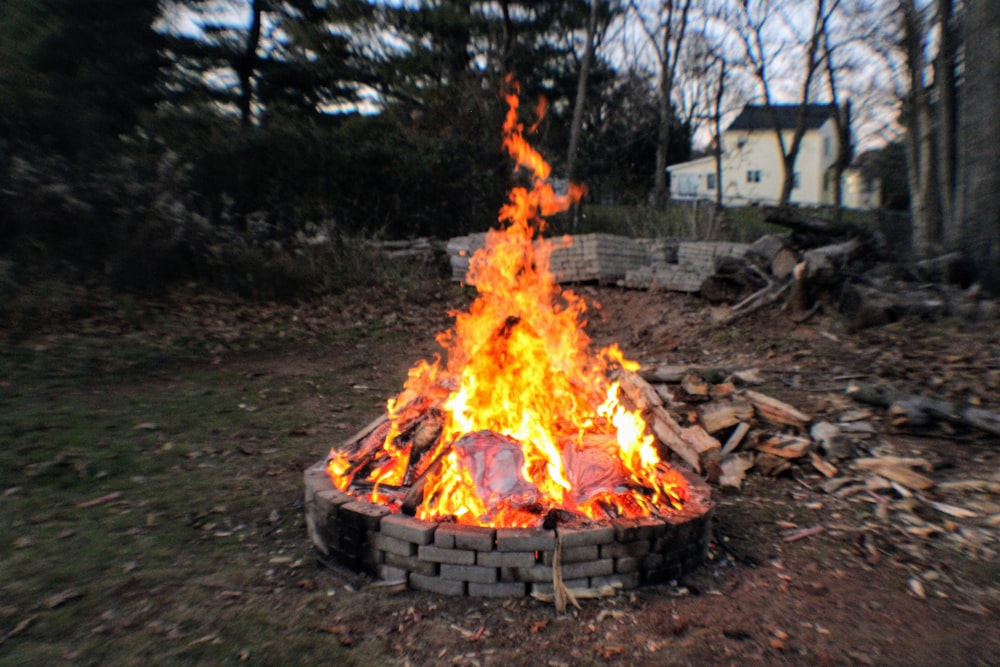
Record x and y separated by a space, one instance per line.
63 597
21 627
539 626
100 501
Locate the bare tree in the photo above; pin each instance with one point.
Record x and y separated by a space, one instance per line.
665 31
581 91
764 44
947 125
924 202
842 121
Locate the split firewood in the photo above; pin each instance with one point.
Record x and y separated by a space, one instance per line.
425 437
825 468
642 394
693 444
773 411
735 438
352 443
734 470
772 465
674 374
912 410
722 389
899 470
693 389
785 446
722 414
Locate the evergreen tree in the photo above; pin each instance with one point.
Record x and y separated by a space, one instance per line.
266 57
75 73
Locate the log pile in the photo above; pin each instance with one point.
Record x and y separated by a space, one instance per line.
712 420
716 424
844 268
849 458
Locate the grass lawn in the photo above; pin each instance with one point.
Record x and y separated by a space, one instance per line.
151 494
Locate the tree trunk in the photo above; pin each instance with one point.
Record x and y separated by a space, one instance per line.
944 82
920 140
789 157
717 119
581 93
248 64
668 66
980 128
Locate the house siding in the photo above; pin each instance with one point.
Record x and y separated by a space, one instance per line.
758 150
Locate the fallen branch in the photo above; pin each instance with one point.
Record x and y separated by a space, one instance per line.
762 297
912 410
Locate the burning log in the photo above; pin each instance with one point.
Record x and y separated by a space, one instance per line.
693 444
415 496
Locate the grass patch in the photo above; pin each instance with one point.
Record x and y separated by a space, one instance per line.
695 221
140 487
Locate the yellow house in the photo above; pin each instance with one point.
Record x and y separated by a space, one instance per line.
752 169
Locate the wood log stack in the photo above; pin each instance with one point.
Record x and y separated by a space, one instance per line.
715 422
717 425
844 268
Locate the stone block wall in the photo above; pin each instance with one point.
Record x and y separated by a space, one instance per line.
665 264
453 559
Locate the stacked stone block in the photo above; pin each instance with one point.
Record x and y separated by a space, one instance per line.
694 261
452 559
665 264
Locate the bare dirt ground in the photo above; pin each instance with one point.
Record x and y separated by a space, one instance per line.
822 600
874 586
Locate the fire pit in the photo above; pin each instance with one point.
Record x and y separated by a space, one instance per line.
524 460
456 559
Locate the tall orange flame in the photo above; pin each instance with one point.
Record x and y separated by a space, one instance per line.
520 373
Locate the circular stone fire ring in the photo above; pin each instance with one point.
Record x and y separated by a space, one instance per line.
454 559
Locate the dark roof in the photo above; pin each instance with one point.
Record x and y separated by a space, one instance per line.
757 116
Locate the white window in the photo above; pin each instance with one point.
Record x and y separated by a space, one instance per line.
826 146
753 175
710 181
687 185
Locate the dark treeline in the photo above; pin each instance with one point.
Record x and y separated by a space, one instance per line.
157 140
